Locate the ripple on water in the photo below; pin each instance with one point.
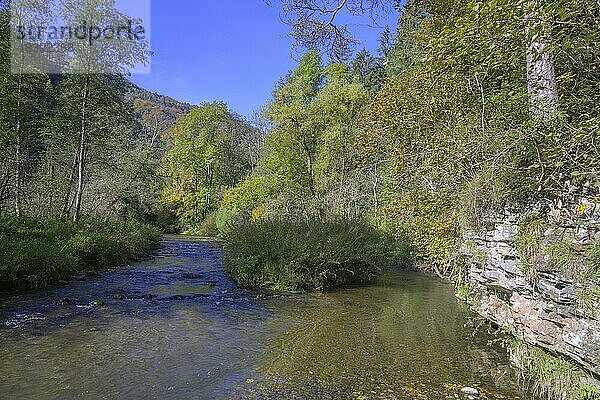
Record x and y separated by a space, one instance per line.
175 327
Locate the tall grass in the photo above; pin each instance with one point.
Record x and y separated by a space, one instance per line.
306 256
35 253
550 377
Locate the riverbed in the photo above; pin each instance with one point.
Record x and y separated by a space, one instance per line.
173 326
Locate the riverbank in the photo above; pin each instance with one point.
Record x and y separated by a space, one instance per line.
35 253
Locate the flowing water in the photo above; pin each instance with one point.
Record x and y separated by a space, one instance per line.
174 326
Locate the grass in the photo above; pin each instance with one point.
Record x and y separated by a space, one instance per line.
538 252
464 291
595 260
287 256
550 377
35 253
529 239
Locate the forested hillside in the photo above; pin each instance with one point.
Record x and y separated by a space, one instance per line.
155 113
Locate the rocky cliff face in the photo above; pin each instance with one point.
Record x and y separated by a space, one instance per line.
555 308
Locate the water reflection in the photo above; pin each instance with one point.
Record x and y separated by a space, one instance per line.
405 338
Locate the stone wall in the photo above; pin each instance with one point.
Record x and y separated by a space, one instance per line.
550 310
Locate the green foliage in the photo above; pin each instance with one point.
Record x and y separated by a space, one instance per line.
35 253
428 224
529 243
452 124
588 392
549 376
367 70
540 251
308 169
243 203
561 255
464 291
306 256
207 228
292 145
53 126
552 377
204 157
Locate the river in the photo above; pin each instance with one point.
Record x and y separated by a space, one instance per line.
173 326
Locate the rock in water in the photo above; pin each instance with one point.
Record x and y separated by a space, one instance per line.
98 303
470 391
190 275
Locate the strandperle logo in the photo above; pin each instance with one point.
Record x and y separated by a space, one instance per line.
80 36
130 30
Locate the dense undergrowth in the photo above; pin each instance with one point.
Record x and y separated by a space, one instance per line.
35 253
308 256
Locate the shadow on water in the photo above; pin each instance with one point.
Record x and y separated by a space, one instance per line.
174 326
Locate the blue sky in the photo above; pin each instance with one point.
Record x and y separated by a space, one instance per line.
229 50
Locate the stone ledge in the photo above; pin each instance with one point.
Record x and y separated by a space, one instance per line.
543 313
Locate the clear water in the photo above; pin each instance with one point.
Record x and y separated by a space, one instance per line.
175 327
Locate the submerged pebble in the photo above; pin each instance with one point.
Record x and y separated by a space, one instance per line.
470 391
98 303
63 302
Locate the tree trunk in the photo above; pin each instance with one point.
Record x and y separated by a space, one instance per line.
81 154
67 200
209 182
541 77
375 192
17 187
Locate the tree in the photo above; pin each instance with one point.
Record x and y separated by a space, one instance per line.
41 123
367 70
26 94
541 77
308 168
468 121
315 23
206 154
293 142
108 57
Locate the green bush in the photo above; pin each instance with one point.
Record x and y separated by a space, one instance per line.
206 228
307 256
35 253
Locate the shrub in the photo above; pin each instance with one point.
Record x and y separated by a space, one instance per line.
306 256
429 225
206 228
35 253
